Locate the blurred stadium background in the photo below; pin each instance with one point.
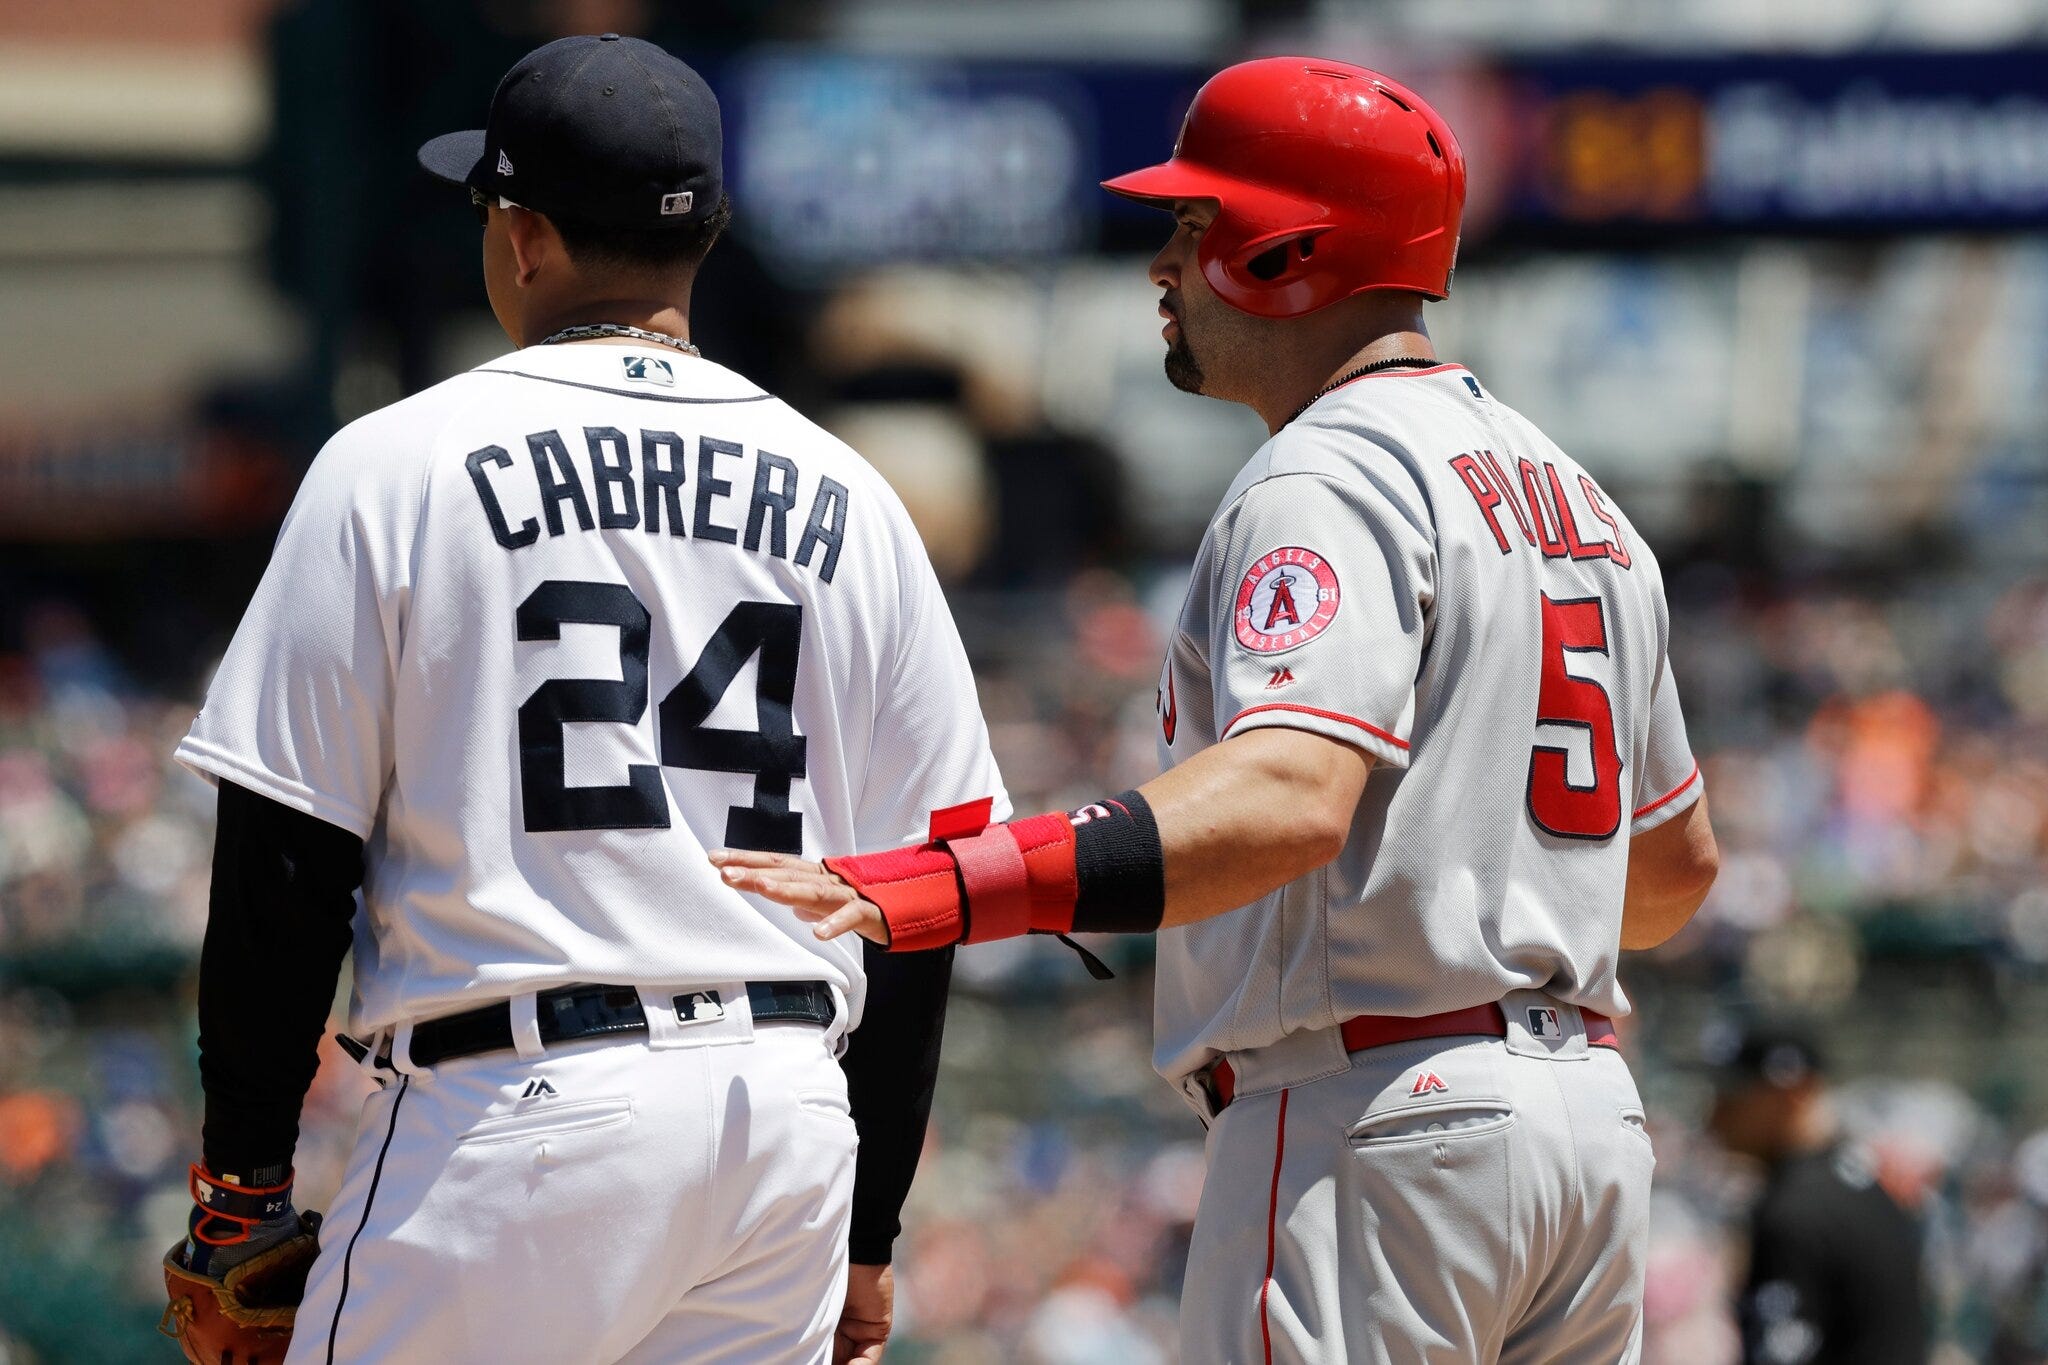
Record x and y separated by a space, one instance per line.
1778 272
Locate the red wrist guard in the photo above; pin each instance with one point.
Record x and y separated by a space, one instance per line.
972 881
229 1210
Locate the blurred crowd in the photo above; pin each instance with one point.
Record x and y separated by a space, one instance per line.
1880 770
1876 755
102 840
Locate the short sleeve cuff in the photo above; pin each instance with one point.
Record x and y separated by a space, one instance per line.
1382 744
217 765
1671 803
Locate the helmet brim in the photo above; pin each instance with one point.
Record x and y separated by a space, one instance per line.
1169 182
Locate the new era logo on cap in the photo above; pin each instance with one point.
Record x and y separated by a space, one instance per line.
504 163
678 203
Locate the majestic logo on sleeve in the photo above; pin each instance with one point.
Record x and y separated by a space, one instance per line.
1288 597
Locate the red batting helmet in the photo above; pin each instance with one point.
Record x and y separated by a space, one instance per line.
1329 179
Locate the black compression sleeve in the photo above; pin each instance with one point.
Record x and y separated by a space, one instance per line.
279 924
892 1066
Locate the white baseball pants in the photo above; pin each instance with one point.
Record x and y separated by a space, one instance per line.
681 1196
1449 1201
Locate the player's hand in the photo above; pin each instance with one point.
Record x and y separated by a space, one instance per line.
819 896
865 1320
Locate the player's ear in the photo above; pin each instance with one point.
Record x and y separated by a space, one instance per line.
534 241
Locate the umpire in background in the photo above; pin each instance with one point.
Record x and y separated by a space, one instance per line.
1834 1265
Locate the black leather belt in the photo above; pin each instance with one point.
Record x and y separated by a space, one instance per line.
568 1013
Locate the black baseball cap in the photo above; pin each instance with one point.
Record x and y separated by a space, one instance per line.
605 130
1779 1053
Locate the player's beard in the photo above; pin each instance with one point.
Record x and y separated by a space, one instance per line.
1182 371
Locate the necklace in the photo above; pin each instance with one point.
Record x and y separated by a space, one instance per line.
617 329
1396 363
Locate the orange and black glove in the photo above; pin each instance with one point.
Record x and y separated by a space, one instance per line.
236 1280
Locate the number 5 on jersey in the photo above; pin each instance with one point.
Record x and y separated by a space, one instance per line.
1557 804
773 752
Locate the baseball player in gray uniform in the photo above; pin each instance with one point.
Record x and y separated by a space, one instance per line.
531 641
1426 778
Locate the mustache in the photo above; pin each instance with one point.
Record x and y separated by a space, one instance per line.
1170 301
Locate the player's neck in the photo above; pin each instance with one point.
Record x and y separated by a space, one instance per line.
670 317
1386 327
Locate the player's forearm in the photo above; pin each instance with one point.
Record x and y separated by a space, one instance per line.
278 926
1247 817
892 1067
1242 819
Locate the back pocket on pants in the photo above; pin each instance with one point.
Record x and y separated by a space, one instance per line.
545 1120
1452 1121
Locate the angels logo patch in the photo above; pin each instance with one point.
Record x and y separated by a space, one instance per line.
1288 597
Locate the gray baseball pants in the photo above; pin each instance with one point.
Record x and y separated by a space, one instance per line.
1438 1201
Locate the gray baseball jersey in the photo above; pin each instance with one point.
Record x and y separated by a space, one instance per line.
1412 568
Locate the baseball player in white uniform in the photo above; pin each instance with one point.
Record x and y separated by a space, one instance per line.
530 642
1427 776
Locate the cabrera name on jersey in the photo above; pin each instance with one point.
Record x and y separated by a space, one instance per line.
639 482
544 633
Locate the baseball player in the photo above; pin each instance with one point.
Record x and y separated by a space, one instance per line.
1426 777
530 642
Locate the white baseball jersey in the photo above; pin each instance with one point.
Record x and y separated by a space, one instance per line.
1412 568
544 633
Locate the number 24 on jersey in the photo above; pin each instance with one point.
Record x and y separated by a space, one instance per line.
772 752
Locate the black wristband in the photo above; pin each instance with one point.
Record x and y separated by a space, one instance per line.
1119 868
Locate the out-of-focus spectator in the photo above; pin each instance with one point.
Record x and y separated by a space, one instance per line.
1834 1262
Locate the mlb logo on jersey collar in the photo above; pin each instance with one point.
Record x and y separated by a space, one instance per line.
649 369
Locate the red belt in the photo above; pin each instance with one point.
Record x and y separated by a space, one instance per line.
1379 1030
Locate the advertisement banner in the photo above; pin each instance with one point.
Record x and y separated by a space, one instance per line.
1868 142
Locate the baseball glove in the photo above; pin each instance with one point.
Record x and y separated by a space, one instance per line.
244 1317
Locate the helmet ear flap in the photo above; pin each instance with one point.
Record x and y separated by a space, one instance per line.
1267 276
1277 261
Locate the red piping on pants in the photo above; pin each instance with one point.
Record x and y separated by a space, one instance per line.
1272 1217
